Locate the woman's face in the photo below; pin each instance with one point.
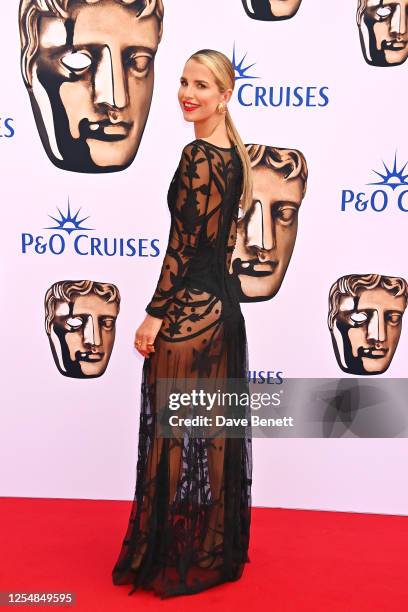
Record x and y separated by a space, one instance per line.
199 94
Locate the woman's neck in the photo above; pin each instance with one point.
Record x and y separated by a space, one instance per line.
213 130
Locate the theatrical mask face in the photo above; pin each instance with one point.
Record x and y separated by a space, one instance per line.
266 235
384 32
82 336
92 85
270 10
367 330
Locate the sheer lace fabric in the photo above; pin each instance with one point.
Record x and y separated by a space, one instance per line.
190 519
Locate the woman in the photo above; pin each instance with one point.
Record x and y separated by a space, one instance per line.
190 520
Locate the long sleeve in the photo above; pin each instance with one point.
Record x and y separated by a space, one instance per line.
187 221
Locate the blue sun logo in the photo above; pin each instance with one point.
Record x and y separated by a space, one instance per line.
69 223
240 69
392 177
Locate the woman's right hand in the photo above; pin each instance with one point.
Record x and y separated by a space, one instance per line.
146 335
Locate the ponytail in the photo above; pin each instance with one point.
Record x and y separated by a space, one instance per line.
247 183
224 75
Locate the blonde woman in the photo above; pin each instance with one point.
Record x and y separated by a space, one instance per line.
190 520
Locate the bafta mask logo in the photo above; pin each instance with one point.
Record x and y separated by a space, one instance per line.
365 320
266 233
80 319
271 10
383 28
88 66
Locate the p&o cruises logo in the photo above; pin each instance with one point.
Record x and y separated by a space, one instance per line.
252 94
389 190
70 233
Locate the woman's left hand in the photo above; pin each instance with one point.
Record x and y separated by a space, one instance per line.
146 335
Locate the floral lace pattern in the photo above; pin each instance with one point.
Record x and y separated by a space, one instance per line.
190 519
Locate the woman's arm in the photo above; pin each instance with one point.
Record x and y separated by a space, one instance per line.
188 219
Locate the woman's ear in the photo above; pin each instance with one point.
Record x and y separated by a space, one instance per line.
226 96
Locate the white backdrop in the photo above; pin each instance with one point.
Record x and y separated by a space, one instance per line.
62 437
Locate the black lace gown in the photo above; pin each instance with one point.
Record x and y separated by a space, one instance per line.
190 520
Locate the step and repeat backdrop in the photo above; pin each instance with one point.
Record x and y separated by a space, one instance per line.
90 136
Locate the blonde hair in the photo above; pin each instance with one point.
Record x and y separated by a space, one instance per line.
224 75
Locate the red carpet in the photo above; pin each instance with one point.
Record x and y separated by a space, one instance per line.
301 560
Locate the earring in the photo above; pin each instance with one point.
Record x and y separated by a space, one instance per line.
222 108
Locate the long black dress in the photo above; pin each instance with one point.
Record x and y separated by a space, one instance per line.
190 520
